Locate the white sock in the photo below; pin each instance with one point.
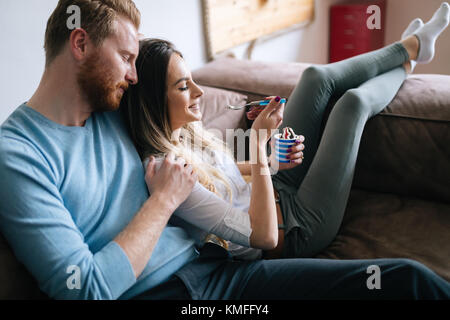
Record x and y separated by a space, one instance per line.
415 25
428 34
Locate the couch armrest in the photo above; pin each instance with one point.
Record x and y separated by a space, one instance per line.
404 149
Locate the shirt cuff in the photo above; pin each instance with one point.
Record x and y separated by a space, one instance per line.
116 268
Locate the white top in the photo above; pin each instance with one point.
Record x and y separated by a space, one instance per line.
203 212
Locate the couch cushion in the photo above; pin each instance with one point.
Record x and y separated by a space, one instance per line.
216 115
380 225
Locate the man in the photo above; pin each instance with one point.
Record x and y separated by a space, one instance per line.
75 203
72 178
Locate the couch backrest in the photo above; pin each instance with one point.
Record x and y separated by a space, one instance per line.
16 281
404 149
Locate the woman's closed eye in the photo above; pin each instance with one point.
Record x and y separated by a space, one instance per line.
184 88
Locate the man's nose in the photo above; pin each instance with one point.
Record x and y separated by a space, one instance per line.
132 76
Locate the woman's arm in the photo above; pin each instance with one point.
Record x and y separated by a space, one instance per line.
209 212
245 168
212 214
262 211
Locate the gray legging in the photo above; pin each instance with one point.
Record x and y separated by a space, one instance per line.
313 196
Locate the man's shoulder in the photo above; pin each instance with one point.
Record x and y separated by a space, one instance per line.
13 120
15 137
14 147
12 128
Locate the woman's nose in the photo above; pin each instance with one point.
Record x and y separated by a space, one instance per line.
199 92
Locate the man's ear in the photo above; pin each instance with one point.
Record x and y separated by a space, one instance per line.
78 42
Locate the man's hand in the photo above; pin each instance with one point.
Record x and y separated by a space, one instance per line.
169 187
174 180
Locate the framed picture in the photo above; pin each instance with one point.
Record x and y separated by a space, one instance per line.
229 23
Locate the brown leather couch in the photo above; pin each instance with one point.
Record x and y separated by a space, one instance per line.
400 202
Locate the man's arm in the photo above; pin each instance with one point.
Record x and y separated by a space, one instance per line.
139 238
45 238
169 187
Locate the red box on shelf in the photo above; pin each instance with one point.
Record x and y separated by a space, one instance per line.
349 31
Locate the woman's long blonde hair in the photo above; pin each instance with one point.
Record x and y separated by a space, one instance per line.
145 110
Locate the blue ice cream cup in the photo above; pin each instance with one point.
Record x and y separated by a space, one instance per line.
281 147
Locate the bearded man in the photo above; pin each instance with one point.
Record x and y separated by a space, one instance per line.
75 200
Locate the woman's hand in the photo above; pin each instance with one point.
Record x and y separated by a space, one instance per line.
295 155
268 119
254 111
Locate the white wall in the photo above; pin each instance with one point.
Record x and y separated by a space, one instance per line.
401 12
22 27
307 44
311 43
179 21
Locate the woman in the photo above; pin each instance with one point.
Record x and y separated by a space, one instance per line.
163 116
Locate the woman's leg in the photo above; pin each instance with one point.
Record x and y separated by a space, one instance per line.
322 197
325 177
306 106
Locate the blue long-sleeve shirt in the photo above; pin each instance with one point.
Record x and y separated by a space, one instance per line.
65 194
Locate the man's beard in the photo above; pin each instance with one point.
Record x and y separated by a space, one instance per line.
97 85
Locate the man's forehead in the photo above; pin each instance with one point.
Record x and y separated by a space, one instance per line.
126 35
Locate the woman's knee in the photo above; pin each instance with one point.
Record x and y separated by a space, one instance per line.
355 101
316 74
